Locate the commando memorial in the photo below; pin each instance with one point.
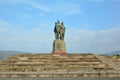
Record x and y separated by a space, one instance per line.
59 43
59 63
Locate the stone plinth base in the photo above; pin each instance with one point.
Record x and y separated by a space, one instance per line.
59 47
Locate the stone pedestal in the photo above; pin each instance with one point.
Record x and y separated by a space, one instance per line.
59 47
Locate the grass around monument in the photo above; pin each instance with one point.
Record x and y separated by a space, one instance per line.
117 56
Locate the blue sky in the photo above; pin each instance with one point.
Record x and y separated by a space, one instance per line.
91 25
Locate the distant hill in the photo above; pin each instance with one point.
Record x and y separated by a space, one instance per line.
113 53
4 54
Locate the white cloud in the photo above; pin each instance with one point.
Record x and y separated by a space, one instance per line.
66 8
42 14
31 3
93 41
37 39
40 39
57 7
39 6
4 26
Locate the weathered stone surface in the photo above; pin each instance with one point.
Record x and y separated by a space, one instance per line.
69 65
59 47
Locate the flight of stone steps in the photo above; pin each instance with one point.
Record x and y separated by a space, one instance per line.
57 64
110 61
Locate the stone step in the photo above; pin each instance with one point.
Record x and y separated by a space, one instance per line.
38 65
53 59
55 69
26 61
58 75
52 64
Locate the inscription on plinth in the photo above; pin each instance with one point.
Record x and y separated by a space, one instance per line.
59 47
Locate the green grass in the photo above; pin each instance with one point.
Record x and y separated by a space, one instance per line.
117 56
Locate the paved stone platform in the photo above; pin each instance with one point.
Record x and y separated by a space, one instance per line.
62 65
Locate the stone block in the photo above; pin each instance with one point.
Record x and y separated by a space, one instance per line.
59 47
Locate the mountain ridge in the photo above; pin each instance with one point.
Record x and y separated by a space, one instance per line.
113 53
7 53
